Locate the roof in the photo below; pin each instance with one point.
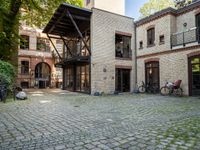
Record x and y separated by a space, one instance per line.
166 11
61 25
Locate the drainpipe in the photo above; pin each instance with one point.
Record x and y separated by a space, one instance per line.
135 40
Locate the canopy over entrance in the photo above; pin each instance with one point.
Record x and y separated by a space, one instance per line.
61 23
71 24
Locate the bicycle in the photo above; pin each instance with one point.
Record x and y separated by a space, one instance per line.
147 88
172 88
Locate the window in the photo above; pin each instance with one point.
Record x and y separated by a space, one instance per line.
87 2
59 46
43 44
123 46
150 37
24 42
141 45
25 67
162 39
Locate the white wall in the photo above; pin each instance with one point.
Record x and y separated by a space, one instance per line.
115 6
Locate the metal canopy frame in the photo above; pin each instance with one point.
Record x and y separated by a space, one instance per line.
71 22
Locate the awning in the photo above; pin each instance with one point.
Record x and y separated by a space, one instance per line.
61 24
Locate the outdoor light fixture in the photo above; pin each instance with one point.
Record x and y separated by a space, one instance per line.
150 71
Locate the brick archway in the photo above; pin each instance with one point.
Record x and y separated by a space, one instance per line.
151 60
193 54
43 75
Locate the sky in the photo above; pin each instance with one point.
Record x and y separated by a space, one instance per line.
133 7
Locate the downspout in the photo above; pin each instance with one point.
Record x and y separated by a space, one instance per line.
135 40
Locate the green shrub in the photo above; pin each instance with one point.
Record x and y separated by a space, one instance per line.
7 74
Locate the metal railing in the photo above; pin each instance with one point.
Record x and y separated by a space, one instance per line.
181 39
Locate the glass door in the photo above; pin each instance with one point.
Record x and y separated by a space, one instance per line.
122 80
152 75
195 75
82 79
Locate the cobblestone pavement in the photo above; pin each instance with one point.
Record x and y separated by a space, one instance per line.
55 120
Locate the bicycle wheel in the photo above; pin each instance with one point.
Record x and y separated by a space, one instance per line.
178 92
141 89
164 91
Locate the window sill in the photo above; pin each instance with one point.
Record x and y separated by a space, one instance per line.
152 45
121 58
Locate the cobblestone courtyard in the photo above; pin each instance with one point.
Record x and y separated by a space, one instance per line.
57 119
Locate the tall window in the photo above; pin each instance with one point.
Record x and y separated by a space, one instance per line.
87 2
59 46
25 67
24 42
150 36
123 46
43 44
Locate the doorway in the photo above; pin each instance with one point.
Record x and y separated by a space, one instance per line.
77 78
152 77
194 75
43 75
122 80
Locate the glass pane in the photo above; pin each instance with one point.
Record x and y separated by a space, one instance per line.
126 46
78 80
195 60
196 79
195 68
119 45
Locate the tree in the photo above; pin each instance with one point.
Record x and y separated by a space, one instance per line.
182 3
34 12
153 6
40 16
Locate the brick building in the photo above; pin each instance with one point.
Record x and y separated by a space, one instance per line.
35 60
168 48
98 53
107 52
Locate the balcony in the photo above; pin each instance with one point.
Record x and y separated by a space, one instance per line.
189 37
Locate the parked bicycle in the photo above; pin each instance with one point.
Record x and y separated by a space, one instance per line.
172 88
149 88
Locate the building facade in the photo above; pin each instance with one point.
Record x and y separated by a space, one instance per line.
168 48
35 60
99 56
108 52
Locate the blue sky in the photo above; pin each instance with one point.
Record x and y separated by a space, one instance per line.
133 7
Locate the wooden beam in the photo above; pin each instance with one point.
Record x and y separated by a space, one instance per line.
54 47
57 21
79 32
66 46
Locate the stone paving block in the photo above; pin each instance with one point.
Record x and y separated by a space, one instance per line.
137 122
